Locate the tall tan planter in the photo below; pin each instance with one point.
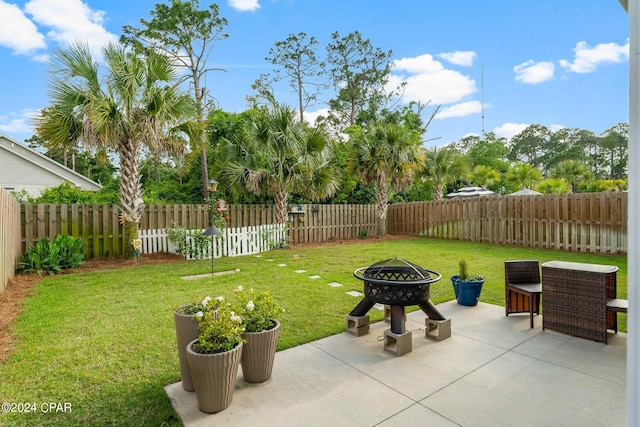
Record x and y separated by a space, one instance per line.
259 354
186 331
214 376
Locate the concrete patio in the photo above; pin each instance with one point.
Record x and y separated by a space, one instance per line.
493 371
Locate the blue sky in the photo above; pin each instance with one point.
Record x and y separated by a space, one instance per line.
558 63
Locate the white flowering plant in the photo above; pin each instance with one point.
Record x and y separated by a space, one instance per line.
220 330
200 307
258 310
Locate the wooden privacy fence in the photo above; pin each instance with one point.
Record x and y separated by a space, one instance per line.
9 237
102 234
584 222
235 241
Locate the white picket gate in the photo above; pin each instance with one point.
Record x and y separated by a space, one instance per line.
233 242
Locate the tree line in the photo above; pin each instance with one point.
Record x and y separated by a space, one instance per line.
127 122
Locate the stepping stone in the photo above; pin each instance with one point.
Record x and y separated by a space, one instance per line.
378 306
300 271
282 265
335 284
258 256
314 277
355 293
271 259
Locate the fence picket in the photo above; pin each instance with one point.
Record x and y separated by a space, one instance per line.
235 241
581 222
584 222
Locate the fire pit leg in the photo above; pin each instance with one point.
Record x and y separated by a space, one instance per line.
362 308
431 310
397 319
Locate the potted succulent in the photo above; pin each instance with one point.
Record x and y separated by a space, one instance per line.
187 331
467 287
262 329
214 357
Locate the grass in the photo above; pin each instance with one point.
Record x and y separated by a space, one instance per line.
105 341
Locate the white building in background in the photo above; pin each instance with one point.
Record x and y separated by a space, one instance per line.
22 168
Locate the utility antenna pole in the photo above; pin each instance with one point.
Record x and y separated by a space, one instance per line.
482 97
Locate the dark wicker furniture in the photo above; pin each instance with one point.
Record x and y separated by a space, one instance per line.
522 287
576 297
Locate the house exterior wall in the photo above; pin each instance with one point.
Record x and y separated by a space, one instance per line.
22 168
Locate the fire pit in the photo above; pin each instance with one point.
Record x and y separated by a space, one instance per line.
397 283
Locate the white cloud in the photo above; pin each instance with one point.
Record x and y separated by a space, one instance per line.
17 32
41 58
245 5
428 80
534 72
70 21
311 116
509 130
460 110
18 122
587 59
464 59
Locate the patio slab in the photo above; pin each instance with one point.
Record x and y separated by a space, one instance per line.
493 370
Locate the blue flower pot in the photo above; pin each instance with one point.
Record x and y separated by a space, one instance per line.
467 292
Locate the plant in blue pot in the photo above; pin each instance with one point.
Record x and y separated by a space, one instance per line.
467 287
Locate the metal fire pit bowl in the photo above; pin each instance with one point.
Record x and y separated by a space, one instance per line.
397 283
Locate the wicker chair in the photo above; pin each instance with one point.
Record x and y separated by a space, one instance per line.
523 287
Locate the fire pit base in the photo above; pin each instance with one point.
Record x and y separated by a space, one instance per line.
438 329
397 344
357 325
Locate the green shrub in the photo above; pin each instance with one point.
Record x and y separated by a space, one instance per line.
71 253
43 257
51 257
178 236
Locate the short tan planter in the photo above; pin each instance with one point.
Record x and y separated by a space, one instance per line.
214 376
186 331
259 353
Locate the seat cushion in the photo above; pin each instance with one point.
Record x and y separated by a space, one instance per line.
534 288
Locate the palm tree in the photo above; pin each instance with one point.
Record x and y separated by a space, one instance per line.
573 172
553 186
279 155
443 166
387 155
522 175
126 107
484 175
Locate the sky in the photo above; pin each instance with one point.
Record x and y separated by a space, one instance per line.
492 66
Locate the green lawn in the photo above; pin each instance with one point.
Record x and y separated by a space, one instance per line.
105 343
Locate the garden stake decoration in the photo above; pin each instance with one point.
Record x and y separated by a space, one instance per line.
137 246
212 231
